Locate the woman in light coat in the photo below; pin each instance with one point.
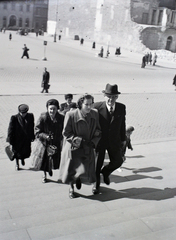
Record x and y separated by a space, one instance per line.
81 135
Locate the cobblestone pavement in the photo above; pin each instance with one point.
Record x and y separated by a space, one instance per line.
152 115
148 93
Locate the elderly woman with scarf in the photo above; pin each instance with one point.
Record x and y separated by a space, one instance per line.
81 135
48 131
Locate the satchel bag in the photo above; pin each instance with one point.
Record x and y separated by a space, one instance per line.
38 151
9 152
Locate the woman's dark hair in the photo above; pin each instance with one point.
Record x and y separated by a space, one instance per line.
82 98
52 102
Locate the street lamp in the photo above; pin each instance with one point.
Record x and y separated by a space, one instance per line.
56 22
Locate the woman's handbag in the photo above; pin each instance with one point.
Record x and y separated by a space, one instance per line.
38 151
51 150
9 152
74 153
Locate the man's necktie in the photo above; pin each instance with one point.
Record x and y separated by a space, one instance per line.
111 110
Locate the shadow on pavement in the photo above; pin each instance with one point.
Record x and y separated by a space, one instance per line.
34 59
148 169
153 194
133 177
137 156
163 67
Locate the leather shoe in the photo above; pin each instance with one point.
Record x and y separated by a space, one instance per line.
106 179
71 193
17 168
44 180
51 173
78 183
95 190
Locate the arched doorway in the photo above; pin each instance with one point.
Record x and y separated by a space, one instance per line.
12 21
20 22
168 43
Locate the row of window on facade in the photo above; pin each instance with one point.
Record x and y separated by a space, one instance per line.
157 17
38 10
13 7
13 22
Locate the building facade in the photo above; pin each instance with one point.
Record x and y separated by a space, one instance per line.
158 21
131 24
106 22
29 14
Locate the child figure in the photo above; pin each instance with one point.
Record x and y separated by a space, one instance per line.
129 131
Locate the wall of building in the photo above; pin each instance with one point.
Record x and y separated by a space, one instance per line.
19 10
141 10
171 4
155 39
31 14
103 21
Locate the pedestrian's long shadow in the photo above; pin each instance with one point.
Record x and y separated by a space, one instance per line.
153 194
34 59
163 67
136 176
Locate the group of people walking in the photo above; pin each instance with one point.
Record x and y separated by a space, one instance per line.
147 58
73 138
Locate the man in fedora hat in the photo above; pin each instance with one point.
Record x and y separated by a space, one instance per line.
112 122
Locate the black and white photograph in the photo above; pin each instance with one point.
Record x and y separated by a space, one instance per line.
88 125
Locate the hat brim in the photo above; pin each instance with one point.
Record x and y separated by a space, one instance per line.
110 93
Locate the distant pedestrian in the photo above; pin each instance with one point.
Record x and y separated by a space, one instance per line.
117 52
101 52
93 45
129 131
10 36
25 52
59 37
4 29
108 52
68 105
45 81
143 62
155 59
174 82
21 134
82 41
150 58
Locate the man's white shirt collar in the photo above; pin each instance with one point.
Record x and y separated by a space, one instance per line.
108 107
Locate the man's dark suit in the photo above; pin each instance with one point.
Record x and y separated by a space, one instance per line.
45 81
64 107
113 134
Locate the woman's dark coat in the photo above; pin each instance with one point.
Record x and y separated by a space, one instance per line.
43 128
21 134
